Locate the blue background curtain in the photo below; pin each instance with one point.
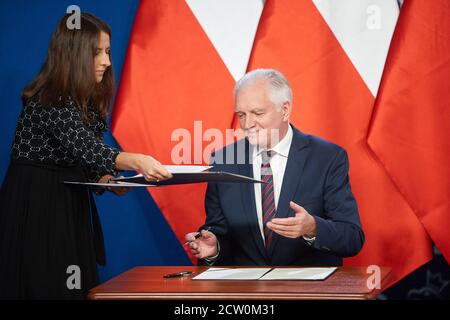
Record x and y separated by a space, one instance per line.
135 231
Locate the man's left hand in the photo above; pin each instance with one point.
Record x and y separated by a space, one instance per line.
120 191
303 224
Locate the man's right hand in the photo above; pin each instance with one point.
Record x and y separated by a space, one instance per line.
203 247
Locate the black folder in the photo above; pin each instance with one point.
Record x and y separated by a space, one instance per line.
184 178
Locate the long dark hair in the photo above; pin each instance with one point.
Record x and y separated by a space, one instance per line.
69 71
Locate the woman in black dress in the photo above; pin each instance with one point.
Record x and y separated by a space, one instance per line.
48 227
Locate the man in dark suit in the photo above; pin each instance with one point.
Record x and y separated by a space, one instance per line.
303 214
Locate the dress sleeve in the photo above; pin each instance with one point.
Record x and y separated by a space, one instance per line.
94 175
65 124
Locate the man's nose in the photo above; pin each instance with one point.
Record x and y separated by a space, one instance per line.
249 122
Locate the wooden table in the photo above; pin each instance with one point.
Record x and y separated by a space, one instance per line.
148 283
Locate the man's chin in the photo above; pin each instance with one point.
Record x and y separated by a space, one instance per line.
254 141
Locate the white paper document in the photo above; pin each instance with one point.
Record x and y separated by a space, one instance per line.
232 274
181 169
298 274
265 274
186 168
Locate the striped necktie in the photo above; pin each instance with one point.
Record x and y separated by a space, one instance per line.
267 195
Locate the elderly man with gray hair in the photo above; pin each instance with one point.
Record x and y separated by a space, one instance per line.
304 212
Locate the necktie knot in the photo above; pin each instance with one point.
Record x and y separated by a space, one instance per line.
266 156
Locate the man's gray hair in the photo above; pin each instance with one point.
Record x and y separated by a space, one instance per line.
279 90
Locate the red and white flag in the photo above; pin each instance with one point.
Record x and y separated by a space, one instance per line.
410 125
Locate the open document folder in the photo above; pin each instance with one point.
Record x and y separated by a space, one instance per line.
181 175
265 274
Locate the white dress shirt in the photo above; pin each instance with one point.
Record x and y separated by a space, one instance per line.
278 165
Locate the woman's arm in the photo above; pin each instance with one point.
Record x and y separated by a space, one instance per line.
150 168
66 126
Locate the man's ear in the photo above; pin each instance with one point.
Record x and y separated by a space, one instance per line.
286 109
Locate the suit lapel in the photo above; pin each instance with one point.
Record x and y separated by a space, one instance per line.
248 203
298 154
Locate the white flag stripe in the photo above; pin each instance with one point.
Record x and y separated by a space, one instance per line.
364 29
231 27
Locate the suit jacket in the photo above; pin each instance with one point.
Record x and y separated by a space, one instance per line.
316 177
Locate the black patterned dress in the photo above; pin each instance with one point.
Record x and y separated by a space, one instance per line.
50 230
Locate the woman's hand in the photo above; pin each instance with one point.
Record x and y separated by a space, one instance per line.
120 191
151 169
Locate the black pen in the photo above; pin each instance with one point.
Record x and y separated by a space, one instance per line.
198 235
177 274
